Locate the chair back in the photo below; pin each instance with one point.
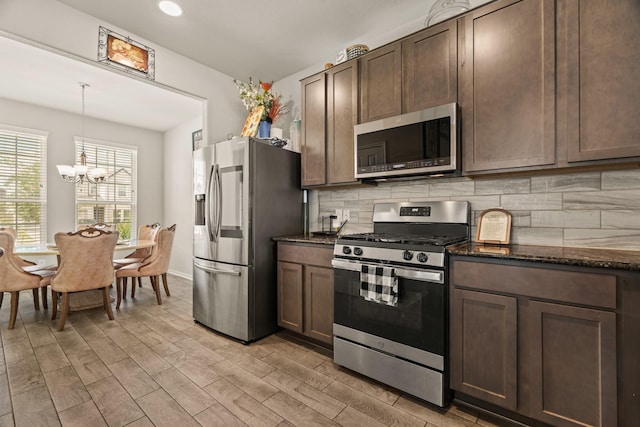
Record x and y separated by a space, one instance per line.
145 232
11 231
12 276
99 226
159 264
86 260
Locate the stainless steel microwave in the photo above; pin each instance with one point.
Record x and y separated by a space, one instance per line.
419 143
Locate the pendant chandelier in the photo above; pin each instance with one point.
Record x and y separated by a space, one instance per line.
80 173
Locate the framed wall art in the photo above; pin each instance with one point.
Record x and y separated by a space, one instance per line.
128 55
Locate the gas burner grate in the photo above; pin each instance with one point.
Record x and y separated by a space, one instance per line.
435 240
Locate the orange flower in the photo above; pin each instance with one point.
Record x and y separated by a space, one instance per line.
266 85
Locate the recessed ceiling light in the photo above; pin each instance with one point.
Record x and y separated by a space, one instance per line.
170 8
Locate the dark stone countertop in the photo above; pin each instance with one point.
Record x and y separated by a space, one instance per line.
301 238
584 257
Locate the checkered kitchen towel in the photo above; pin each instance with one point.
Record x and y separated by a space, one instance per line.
379 284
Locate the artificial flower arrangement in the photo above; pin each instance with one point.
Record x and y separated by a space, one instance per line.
254 96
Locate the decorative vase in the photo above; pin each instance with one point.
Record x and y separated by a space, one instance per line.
264 129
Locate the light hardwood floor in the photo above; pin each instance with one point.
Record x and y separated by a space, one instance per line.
153 365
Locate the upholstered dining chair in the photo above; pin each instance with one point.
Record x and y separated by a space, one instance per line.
86 263
30 267
14 279
154 267
145 232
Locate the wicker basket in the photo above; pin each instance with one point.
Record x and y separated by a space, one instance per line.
356 50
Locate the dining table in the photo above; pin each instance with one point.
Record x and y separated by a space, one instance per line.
51 249
87 299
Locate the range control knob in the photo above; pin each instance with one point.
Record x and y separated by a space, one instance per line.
357 251
408 256
422 257
346 250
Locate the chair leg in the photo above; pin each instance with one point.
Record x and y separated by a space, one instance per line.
118 292
43 294
166 285
36 300
124 288
133 286
64 311
107 302
155 282
1 298
54 303
139 282
14 308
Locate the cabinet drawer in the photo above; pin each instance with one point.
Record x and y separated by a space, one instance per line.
574 287
319 255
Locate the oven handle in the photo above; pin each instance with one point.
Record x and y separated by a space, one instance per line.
407 273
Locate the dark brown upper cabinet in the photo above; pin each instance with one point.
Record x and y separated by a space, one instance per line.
599 93
507 86
430 67
381 83
314 133
342 116
418 72
329 113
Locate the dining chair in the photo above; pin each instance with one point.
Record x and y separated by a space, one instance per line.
30 267
145 232
14 279
86 263
154 267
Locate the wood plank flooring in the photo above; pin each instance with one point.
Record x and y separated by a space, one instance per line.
153 365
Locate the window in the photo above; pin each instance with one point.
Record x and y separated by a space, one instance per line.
114 201
23 179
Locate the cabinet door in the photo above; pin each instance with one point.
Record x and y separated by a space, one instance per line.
602 98
318 302
290 296
313 148
430 67
342 115
484 346
381 83
507 85
573 377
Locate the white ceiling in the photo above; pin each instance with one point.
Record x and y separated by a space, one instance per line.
263 39
267 40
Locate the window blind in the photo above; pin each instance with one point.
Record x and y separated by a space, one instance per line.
23 179
114 201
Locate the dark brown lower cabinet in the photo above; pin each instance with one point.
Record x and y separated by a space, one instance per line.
538 342
573 365
305 290
484 340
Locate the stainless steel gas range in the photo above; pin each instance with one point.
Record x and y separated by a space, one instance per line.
391 296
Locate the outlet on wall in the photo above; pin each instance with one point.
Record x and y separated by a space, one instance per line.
338 220
345 215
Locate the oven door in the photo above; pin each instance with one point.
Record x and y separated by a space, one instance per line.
417 322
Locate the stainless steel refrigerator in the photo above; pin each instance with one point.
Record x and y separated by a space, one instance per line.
246 192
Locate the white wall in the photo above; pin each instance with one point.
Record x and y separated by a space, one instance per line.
178 203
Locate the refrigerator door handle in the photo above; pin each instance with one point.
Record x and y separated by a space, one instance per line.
214 198
219 201
217 271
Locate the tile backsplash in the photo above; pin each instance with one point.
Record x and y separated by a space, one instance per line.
589 209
